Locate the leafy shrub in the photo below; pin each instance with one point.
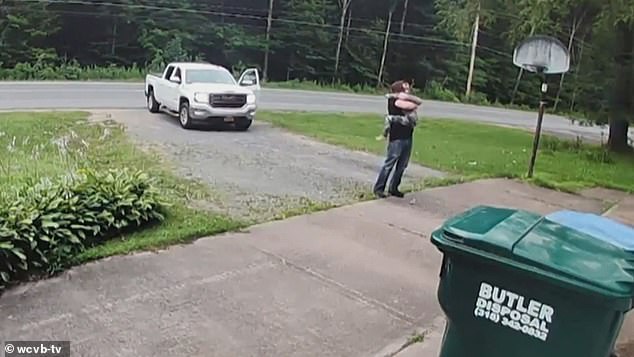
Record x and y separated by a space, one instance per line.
476 98
317 86
70 70
437 91
43 226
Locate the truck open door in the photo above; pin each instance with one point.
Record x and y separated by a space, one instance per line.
250 78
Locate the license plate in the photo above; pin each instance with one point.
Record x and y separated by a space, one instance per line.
229 120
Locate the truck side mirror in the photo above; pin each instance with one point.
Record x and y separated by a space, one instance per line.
176 79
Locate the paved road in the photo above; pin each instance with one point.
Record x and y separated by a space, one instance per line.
110 95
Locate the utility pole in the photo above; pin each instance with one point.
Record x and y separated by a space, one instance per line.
474 45
387 37
573 32
577 70
348 25
519 74
113 44
269 21
405 5
345 4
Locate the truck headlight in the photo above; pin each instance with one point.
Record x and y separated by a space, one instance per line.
201 97
251 99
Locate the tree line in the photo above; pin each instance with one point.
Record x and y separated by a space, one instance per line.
459 49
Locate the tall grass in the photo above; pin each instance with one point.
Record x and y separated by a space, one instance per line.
70 71
319 86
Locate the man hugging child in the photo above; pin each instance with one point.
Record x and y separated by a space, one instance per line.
408 104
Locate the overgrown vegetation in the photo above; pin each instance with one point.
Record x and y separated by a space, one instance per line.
45 70
474 150
43 226
354 45
317 86
73 191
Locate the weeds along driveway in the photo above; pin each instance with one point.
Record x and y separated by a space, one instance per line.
260 173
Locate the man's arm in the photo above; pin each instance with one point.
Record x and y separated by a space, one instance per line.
406 105
404 97
410 98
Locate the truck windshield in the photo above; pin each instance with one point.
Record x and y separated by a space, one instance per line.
209 76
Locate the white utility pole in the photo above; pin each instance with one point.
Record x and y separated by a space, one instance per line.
387 37
268 37
474 46
345 4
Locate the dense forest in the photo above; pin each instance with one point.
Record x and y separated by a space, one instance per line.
352 42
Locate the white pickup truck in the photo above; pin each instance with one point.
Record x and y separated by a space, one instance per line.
204 92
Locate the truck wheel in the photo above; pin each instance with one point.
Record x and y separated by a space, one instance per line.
244 126
183 116
152 105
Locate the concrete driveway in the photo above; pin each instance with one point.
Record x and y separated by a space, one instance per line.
353 281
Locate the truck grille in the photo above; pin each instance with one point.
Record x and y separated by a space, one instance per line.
227 100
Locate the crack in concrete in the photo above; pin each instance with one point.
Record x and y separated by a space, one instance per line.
419 336
407 230
352 293
95 309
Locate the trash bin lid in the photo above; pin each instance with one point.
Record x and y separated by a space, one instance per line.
596 226
582 250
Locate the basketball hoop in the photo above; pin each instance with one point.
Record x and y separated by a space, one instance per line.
544 55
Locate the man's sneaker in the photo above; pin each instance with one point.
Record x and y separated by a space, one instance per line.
397 193
380 195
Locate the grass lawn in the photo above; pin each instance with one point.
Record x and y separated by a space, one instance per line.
41 145
473 150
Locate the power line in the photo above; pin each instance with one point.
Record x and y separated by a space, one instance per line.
396 37
431 42
427 42
277 19
237 15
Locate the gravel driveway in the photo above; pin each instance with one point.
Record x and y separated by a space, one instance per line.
261 172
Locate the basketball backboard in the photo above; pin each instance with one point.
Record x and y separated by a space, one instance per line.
544 54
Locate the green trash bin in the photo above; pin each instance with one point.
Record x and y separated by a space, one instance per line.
517 284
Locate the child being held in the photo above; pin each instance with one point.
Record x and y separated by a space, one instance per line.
409 104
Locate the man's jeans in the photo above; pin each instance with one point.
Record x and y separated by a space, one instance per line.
398 153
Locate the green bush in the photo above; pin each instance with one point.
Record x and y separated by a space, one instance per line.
44 226
319 86
436 91
476 98
71 70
